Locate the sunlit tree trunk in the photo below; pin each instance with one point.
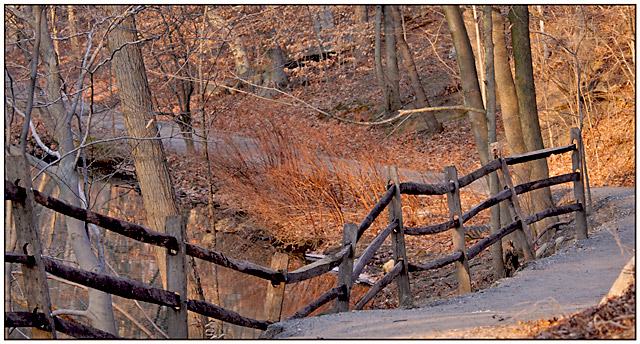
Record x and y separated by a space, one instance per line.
525 89
149 158
469 79
429 119
506 92
490 98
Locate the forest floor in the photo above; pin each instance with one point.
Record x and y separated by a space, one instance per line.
575 278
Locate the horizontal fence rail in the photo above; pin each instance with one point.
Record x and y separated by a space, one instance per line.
119 286
140 233
80 331
135 290
494 237
493 200
413 188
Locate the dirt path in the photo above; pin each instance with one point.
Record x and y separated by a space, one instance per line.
574 278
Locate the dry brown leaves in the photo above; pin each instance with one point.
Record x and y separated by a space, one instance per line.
616 319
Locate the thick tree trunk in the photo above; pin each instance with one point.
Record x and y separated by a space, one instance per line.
494 185
469 77
525 89
428 118
506 91
148 155
392 72
99 310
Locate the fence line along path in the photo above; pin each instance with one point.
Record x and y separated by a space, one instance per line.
23 198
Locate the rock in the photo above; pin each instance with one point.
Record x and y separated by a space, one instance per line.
540 252
559 242
272 331
388 266
625 279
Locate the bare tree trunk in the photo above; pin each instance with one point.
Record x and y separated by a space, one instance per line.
149 158
392 72
184 118
428 118
148 155
494 185
469 77
74 28
480 60
99 310
506 91
378 57
525 89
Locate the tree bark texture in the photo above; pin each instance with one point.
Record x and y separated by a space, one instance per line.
490 98
392 75
276 76
525 89
428 118
148 155
469 77
506 92
149 158
378 58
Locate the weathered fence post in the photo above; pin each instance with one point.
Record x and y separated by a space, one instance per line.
514 204
578 185
497 260
175 226
397 238
275 293
27 238
457 232
349 237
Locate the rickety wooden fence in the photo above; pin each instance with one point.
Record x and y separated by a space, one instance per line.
177 249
